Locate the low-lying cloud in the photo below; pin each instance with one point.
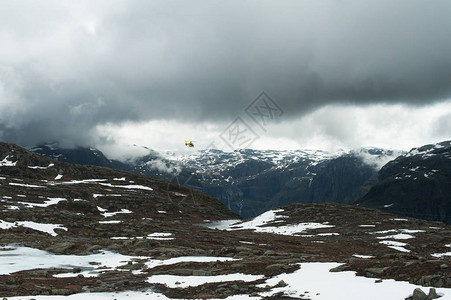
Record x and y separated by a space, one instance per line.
66 68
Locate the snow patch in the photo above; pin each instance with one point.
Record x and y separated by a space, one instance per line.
130 186
399 246
175 281
46 228
7 163
106 195
399 236
41 168
179 194
328 234
160 236
84 181
15 259
440 255
26 185
199 259
110 214
50 201
260 224
153 236
221 225
110 222
363 256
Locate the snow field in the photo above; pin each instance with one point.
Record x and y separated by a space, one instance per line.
260 224
316 282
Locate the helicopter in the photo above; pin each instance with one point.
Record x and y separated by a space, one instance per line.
189 144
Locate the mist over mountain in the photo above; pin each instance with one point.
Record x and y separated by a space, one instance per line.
415 184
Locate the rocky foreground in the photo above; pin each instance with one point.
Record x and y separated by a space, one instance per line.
67 229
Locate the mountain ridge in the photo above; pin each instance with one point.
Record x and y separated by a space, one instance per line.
415 184
253 181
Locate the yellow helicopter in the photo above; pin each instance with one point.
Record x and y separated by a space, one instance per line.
189 144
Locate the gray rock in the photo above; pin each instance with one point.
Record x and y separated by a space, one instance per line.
201 273
376 271
418 294
61 292
340 268
182 272
276 267
281 284
431 280
61 247
95 248
269 253
432 294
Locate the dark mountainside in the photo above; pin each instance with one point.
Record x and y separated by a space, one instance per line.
87 210
250 182
417 184
341 180
80 156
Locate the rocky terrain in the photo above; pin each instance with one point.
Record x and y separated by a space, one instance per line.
68 229
417 184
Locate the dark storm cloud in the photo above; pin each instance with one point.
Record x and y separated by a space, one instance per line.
68 68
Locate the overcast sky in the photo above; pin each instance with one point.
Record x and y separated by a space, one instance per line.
336 74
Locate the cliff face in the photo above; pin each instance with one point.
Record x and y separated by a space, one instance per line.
417 184
255 184
341 180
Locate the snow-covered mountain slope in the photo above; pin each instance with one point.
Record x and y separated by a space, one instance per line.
251 181
217 161
98 233
417 184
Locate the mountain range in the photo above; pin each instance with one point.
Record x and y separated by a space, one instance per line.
250 182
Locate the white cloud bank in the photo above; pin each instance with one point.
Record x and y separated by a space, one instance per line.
330 128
